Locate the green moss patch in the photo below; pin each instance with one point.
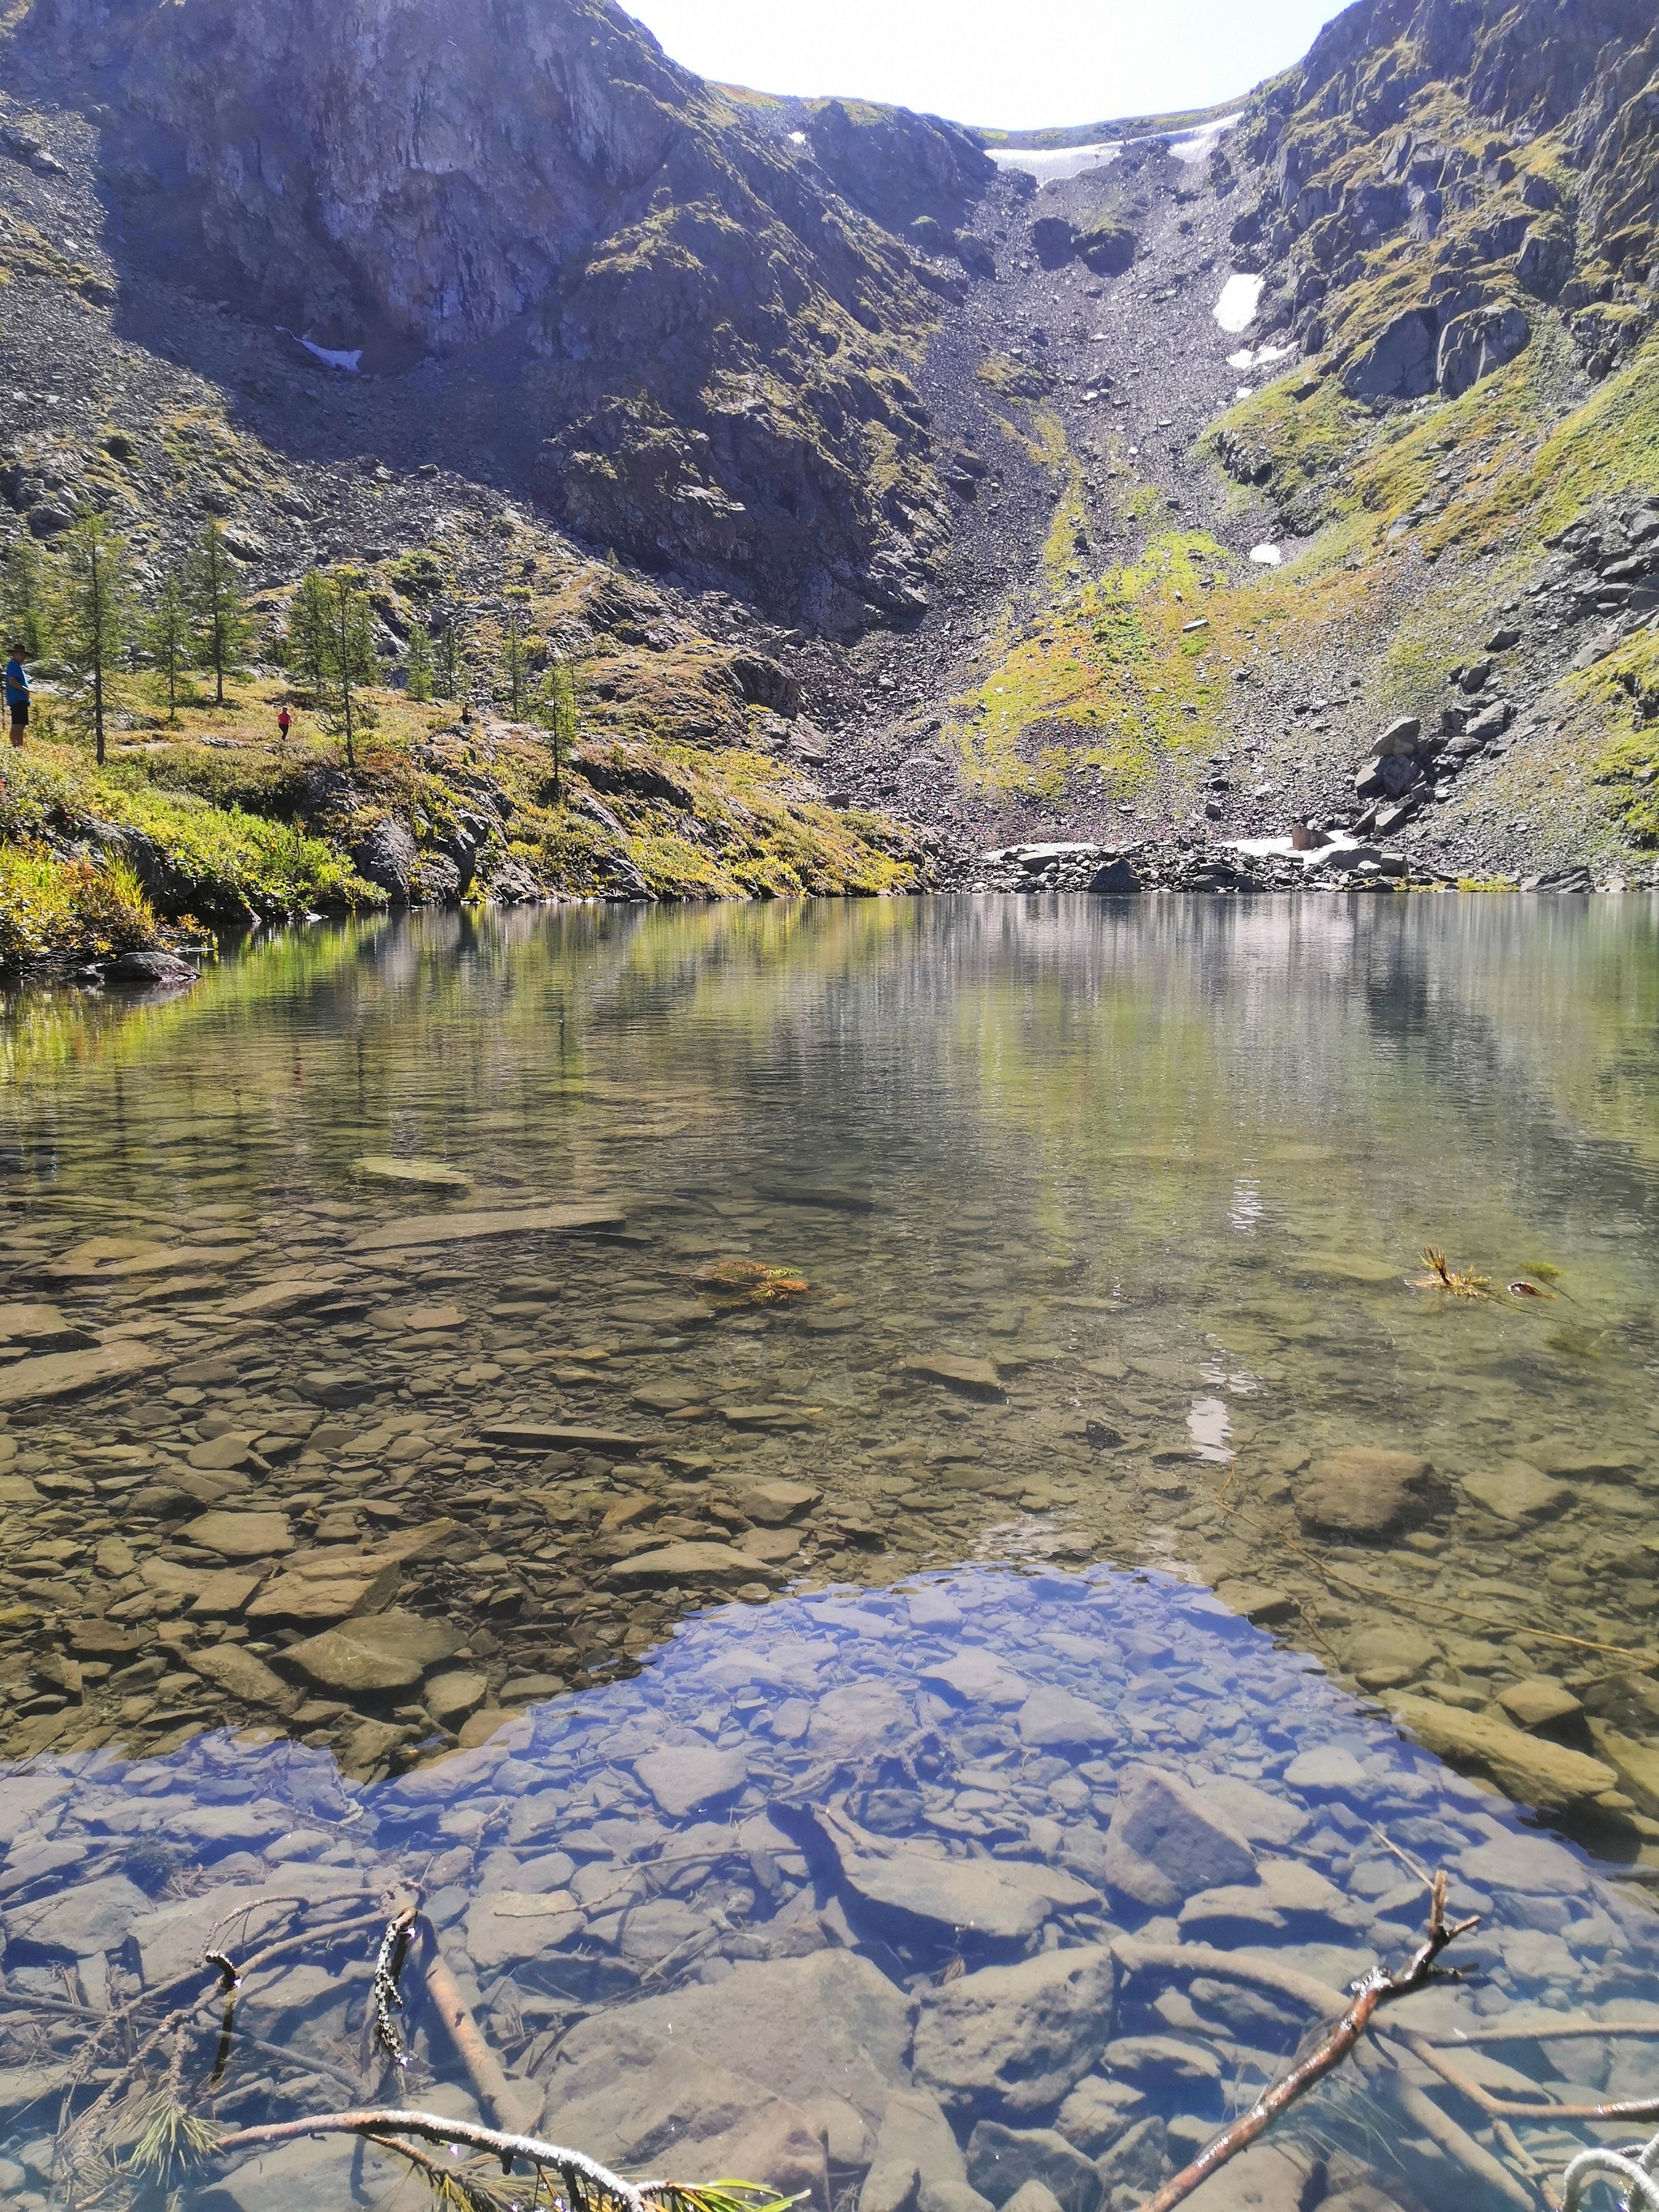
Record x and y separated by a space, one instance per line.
1121 673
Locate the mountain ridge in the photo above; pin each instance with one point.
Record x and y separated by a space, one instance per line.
956 453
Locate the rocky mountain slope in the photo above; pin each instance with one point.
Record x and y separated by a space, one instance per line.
1132 509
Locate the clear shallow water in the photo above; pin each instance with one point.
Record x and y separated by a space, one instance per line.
587 1911
1164 1167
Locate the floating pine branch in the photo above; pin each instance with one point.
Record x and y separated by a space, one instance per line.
1462 1282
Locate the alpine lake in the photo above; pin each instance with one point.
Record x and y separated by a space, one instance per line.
874 1513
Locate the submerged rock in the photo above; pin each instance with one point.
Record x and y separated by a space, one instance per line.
1004 1900
1009 2042
387 1651
1167 1843
1003 2162
1529 1768
1362 1492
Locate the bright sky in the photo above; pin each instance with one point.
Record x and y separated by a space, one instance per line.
1040 63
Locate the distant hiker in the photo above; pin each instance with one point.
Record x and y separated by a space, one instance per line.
284 722
17 695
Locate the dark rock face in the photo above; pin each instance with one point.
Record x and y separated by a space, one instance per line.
895 167
1400 364
385 855
1471 346
402 182
1108 248
1052 238
146 969
1485 222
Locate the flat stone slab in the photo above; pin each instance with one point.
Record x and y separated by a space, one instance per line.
240 1535
691 1562
662 1313
1326 1766
98 1638
772 1545
430 1320
322 1590
975 1378
73 1923
682 1777
217 1597
1050 1718
67 1374
221 1454
1015 2039
387 1651
1570 1460
511 1924
1004 1900
1519 1492
831 1196
978 1678
516 1221
1529 1768
1257 1601
1167 1841
23 1323
773 1503
552 1436
101 1259
1538 1702
1533 1864
435 1175
430 1540
454 1698
270 1301
242 1675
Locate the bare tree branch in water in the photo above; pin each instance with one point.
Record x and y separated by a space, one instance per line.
1378 1989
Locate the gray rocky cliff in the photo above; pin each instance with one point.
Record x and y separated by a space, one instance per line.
710 338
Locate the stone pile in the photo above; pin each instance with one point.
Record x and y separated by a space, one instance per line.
1181 866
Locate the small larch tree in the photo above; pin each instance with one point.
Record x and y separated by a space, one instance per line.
515 655
93 618
350 660
218 609
24 596
556 712
167 641
305 639
450 657
418 658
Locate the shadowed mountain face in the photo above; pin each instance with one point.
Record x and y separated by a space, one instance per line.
713 341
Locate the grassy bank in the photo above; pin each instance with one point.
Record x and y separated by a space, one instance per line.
213 821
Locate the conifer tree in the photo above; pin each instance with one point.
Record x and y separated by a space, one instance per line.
450 658
167 641
24 596
419 661
350 658
556 712
515 655
93 614
214 592
305 638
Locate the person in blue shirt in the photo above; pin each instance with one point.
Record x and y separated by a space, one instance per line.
17 695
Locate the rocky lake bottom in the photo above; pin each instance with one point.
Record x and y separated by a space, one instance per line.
889 1484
